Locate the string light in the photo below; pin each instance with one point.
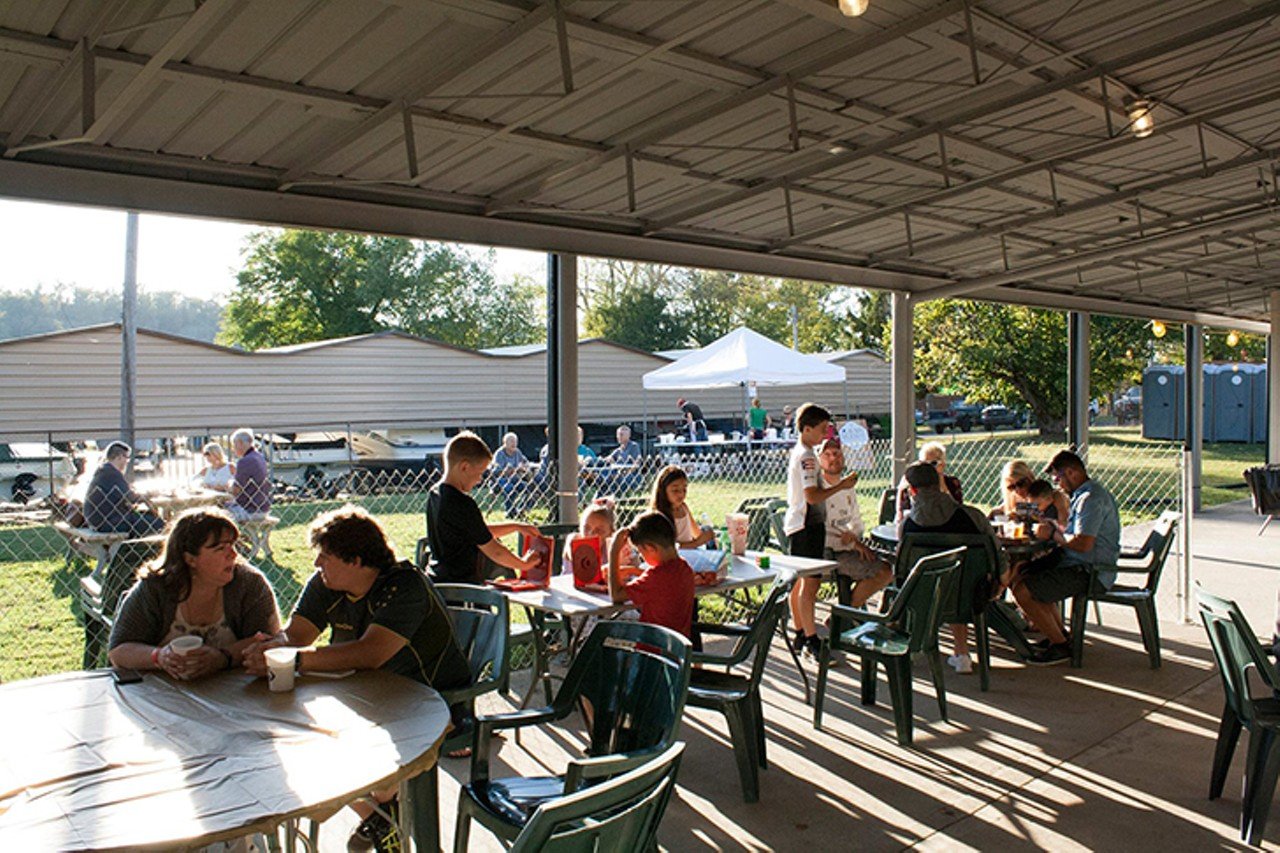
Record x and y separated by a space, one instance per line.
1141 122
1233 338
853 8
1158 328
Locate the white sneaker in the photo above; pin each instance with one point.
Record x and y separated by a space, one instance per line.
961 664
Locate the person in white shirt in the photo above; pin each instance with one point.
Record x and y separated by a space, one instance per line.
805 521
860 572
217 472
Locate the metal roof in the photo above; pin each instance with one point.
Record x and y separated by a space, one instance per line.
941 148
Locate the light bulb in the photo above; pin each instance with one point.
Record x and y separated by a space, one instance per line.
1233 338
1158 328
1141 122
853 8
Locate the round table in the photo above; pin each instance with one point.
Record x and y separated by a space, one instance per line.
90 764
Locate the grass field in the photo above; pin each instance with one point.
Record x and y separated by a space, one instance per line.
40 631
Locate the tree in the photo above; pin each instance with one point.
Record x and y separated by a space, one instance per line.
1018 356
299 286
40 310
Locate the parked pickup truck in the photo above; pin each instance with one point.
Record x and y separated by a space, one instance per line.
1001 416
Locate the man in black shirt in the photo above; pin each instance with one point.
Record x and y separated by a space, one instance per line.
109 502
459 537
693 420
383 615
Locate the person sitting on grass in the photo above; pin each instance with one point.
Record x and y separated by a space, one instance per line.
935 511
382 614
663 592
1090 539
200 586
459 537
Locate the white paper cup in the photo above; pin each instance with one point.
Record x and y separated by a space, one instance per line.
182 645
280 664
739 526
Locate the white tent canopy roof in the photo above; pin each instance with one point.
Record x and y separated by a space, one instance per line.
743 357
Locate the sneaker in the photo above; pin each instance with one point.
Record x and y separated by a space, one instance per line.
1053 655
811 647
379 832
798 642
962 664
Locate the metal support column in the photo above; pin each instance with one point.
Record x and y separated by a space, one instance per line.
129 333
904 382
1194 416
562 381
1078 380
1273 382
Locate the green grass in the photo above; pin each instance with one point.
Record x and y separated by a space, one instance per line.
40 632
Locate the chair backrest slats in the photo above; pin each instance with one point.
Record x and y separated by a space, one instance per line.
918 609
1237 652
972 589
480 624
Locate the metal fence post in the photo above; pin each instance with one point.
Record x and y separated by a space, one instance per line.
1187 501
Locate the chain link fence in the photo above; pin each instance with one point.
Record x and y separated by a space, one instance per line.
41 628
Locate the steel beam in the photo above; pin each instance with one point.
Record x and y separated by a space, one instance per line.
904 384
1078 393
1273 381
1193 342
562 381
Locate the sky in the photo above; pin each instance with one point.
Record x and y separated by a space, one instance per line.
53 244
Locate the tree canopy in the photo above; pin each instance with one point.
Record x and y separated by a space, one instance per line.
300 286
53 309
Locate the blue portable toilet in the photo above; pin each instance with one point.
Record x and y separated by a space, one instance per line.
1232 417
1207 423
1259 402
1163 391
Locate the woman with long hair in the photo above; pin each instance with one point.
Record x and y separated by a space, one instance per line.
669 492
199 587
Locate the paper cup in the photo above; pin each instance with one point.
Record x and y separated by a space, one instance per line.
739 526
280 664
182 645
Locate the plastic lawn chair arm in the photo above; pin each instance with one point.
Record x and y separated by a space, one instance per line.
857 615
486 725
582 770
421 553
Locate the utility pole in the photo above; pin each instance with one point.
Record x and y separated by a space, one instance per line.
129 332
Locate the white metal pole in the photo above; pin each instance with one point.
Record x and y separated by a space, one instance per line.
903 390
1185 576
129 332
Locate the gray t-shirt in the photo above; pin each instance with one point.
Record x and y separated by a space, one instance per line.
148 610
1094 513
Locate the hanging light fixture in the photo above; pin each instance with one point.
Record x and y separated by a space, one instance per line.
1141 122
853 8
1158 328
1233 338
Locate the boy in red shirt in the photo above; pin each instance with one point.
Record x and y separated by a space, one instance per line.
663 591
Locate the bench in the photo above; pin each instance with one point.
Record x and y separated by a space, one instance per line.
101 591
257 535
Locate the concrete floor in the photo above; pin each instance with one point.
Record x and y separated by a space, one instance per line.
1113 756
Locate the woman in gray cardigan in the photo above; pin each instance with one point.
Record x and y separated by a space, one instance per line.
199 587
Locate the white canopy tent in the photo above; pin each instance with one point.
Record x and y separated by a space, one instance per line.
742 358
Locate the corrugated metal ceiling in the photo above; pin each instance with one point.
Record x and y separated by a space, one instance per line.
936 147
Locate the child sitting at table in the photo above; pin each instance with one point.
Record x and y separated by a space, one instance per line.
664 590
598 520
460 538
669 492
1052 504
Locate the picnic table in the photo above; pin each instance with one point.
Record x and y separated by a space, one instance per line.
173 503
162 763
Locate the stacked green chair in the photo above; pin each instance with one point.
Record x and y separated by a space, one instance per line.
760 512
620 814
1237 652
735 695
972 594
1148 562
909 628
630 679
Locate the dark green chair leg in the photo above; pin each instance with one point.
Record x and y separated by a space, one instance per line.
94 640
820 689
744 751
899 671
984 651
939 686
758 709
1079 616
1150 628
869 666
1228 737
1263 786
423 793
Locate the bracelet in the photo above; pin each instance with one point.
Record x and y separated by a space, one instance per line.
155 656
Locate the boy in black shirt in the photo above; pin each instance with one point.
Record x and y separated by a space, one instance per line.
456 530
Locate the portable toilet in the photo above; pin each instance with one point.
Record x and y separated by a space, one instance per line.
1207 423
1163 389
1259 402
1232 402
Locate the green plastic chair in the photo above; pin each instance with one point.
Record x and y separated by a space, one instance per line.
735 695
777 520
1148 561
972 593
620 814
102 591
633 678
1237 652
760 512
909 628
626 509
888 506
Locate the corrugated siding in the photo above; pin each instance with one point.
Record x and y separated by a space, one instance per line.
70 385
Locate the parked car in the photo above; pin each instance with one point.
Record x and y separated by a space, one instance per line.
994 417
939 421
966 416
1128 407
